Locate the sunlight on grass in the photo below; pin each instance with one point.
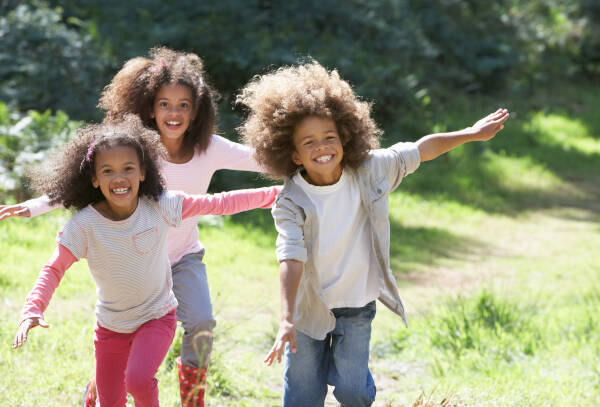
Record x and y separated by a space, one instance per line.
521 173
568 133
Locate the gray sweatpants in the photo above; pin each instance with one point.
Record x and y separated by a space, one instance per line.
190 287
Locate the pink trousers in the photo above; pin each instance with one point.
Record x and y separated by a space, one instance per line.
127 363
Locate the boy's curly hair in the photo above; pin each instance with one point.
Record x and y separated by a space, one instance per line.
67 177
279 100
134 88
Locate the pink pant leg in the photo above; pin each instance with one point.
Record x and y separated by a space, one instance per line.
128 362
112 351
150 344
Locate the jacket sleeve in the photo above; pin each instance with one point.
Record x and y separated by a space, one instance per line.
289 222
395 162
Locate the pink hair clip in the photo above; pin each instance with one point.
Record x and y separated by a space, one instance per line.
88 155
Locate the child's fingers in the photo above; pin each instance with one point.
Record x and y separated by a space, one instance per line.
293 346
269 359
280 347
21 336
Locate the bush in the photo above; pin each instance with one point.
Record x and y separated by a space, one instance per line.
48 63
25 140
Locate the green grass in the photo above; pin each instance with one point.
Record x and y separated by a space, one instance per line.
495 248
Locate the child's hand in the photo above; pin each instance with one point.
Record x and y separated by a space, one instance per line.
6 211
487 127
287 333
26 325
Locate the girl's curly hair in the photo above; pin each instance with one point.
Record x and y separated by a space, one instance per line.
134 88
279 100
67 177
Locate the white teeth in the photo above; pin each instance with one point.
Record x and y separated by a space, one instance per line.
120 190
173 123
324 158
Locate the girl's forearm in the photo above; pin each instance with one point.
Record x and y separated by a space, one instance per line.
49 278
434 145
40 205
290 272
228 203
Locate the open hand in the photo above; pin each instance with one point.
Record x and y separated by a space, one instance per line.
491 124
287 333
26 325
6 211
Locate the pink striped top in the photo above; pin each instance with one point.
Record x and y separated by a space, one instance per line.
128 259
192 177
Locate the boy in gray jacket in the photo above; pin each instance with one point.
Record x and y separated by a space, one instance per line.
308 127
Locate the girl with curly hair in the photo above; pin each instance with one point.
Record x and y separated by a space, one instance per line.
169 92
109 173
310 128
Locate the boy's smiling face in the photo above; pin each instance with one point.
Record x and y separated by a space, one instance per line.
319 149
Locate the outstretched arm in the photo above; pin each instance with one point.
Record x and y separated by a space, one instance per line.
30 208
433 145
39 297
290 272
228 203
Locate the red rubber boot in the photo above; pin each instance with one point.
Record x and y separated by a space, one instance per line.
192 382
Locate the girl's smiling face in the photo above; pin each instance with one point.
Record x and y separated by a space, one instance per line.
173 110
319 149
118 174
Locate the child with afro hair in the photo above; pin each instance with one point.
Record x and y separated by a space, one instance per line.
308 127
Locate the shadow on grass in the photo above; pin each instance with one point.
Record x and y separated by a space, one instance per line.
413 246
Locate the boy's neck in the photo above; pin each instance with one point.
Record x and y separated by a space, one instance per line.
321 180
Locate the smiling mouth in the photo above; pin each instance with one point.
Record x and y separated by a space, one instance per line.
173 124
324 158
120 191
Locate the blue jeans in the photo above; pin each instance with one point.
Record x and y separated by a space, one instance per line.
340 360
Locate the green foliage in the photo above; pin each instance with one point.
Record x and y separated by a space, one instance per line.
25 139
401 53
47 62
481 323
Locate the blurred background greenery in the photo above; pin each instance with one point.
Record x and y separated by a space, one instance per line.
415 59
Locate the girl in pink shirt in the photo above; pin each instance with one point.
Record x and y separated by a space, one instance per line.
170 94
110 174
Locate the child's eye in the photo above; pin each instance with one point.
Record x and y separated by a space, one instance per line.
185 106
163 104
106 171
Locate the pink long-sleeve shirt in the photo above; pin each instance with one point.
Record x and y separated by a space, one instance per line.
192 177
128 259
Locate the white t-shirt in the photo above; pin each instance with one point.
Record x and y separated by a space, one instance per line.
342 255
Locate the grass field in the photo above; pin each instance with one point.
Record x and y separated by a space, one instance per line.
494 246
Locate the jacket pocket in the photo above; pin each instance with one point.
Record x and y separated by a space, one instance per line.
378 194
146 241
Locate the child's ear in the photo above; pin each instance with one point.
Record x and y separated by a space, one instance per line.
142 175
296 158
95 182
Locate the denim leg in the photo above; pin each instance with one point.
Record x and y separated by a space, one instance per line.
190 286
349 365
305 372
